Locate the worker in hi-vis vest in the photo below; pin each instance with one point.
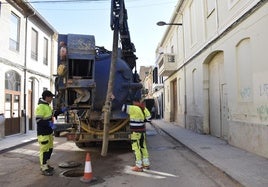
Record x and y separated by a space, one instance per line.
44 118
138 115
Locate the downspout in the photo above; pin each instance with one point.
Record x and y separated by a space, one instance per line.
184 64
184 72
25 73
185 97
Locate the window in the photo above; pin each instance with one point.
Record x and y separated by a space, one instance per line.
161 80
14 32
12 81
45 55
155 76
193 24
34 45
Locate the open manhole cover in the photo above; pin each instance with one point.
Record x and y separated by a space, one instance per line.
69 164
80 173
72 173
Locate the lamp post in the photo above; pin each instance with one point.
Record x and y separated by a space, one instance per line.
162 23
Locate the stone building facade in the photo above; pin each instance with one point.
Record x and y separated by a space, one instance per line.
28 48
214 68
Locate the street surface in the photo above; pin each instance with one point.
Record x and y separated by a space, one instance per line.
172 164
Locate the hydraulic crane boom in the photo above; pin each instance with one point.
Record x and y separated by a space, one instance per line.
119 13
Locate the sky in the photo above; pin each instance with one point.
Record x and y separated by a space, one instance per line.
92 17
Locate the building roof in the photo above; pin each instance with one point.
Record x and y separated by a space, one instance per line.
28 11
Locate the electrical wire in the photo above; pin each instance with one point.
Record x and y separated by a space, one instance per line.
63 1
153 3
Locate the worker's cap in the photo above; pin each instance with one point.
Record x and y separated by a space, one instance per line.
47 93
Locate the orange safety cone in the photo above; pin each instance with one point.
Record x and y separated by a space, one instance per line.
88 170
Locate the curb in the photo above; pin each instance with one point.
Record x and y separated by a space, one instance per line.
17 146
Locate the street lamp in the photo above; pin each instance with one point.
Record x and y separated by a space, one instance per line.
161 23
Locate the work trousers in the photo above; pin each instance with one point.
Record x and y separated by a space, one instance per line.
46 148
138 142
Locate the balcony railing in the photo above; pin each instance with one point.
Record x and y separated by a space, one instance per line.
167 64
157 87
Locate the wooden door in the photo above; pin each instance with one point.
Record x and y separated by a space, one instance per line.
174 102
12 113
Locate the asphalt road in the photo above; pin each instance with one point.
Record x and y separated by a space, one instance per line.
172 164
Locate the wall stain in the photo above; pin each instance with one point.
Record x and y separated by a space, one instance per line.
262 111
264 90
245 93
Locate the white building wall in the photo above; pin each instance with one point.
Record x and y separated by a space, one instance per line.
31 63
12 56
35 75
228 38
10 59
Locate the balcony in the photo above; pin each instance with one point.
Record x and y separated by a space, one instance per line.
167 64
157 87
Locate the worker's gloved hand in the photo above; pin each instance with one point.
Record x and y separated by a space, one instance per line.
52 125
64 109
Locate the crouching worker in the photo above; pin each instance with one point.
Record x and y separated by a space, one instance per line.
138 115
44 119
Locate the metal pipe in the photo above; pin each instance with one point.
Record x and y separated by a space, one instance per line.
25 70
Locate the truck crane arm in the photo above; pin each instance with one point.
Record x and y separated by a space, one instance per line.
119 13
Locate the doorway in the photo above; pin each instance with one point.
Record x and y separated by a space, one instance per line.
174 102
218 103
12 113
12 102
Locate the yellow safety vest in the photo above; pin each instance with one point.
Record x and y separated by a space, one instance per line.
43 115
137 117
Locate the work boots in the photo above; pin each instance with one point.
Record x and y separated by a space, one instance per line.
47 170
136 168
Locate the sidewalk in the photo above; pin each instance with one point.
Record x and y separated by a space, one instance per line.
17 140
249 169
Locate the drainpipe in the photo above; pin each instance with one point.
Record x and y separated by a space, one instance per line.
184 72
25 73
185 97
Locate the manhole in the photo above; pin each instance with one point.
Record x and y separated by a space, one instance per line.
69 164
72 173
80 173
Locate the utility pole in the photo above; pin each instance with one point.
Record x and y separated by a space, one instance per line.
109 96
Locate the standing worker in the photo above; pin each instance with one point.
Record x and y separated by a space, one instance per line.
44 119
138 115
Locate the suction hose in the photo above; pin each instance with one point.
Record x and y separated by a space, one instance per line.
115 127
